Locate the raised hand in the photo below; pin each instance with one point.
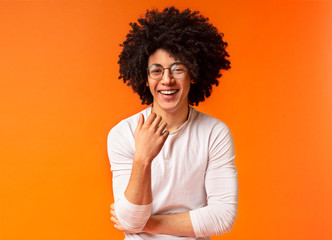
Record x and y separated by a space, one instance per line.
150 137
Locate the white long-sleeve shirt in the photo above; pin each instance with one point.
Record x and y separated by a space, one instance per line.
194 171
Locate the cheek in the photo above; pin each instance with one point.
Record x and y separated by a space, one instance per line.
187 87
151 86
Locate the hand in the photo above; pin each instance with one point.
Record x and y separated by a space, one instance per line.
150 137
116 222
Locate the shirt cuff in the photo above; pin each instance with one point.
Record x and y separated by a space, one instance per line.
132 217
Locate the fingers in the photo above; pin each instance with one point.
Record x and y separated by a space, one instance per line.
156 122
115 220
113 210
162 127
113 213
140 121
153 120
165 134
150 119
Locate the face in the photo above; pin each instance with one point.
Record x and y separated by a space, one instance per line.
169 94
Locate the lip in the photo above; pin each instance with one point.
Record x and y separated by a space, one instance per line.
168 96
168 89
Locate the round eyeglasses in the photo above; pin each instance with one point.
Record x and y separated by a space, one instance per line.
177 70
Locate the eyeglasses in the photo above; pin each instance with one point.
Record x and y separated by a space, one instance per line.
177 70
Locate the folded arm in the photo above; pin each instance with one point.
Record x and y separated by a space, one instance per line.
216 218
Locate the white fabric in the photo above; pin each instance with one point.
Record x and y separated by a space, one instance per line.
136 215
195 171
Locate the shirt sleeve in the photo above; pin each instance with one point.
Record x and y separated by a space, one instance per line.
221 186
120 147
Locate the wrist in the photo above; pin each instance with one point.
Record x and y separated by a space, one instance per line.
142 161
150 224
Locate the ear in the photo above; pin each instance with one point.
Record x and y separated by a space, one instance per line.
147 83
192 81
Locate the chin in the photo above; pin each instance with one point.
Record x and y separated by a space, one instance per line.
170 107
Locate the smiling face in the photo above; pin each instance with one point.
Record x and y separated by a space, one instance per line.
169 95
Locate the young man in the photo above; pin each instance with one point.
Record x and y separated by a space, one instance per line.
174 175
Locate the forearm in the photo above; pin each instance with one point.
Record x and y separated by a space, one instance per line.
138 190
173 224
134 208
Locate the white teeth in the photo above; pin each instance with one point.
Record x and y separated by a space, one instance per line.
168 92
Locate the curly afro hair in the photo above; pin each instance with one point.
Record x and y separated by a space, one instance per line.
188 36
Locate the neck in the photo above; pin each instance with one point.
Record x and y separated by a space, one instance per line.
173 119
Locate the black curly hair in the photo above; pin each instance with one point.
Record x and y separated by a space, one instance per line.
188 36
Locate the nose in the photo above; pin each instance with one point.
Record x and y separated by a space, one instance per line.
167 77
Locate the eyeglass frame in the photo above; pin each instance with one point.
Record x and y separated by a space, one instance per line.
170 70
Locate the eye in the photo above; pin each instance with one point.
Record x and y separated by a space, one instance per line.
178 68
156 70
154 67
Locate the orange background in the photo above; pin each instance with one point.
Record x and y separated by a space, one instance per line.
60 96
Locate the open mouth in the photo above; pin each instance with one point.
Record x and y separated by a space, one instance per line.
168 92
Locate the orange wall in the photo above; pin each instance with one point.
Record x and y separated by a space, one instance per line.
60 96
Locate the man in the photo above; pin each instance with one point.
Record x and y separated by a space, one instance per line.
174 175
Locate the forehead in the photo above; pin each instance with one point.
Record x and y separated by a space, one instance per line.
161 56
